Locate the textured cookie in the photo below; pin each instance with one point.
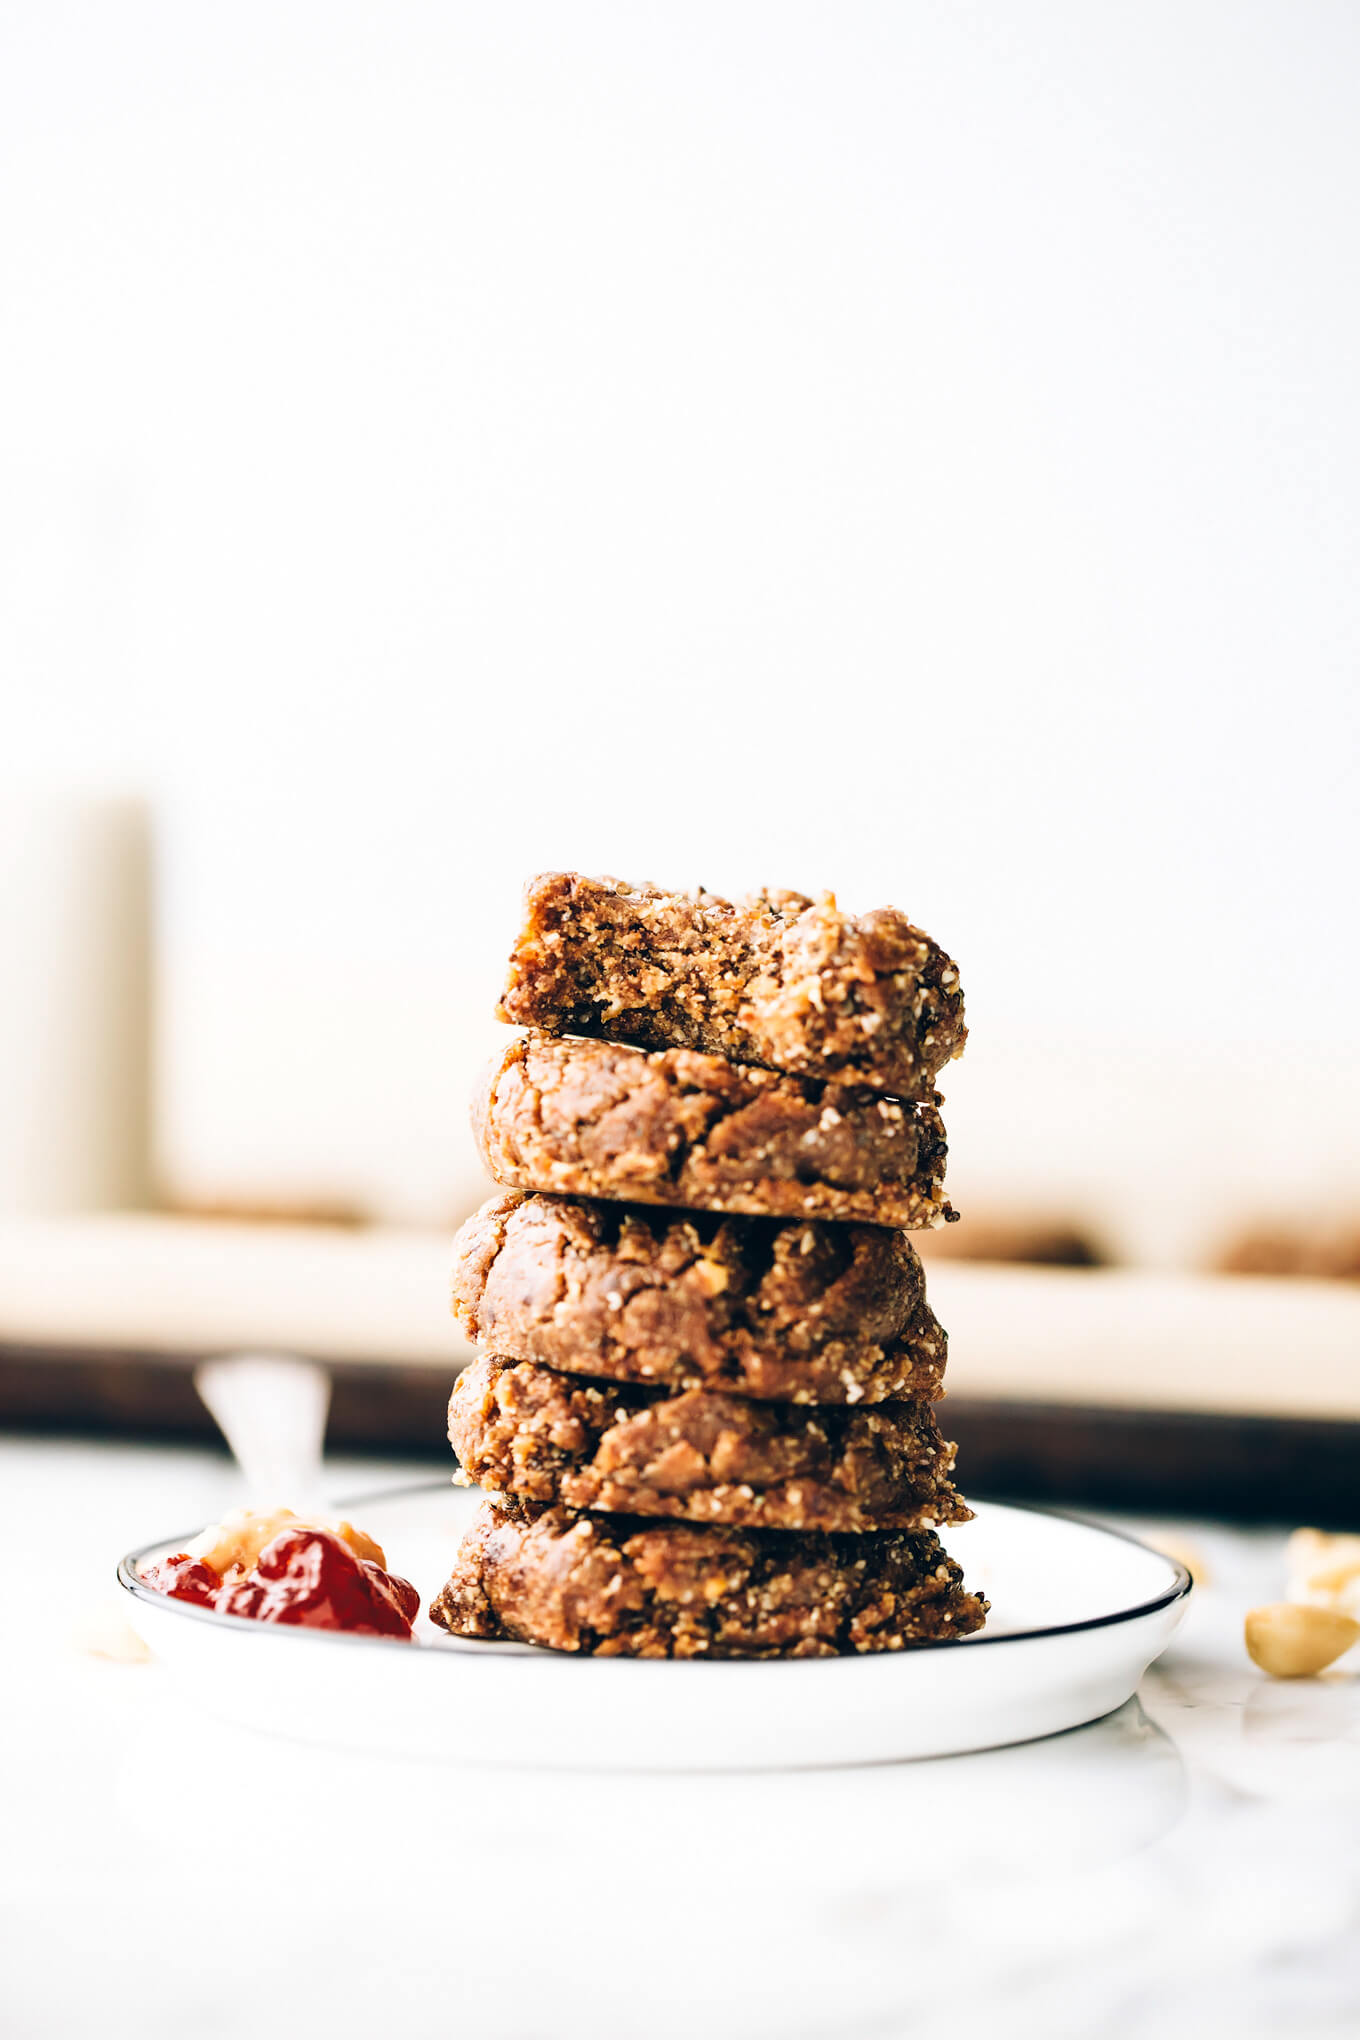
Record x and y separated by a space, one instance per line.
793 1311
778 979
593 1119
703 1456
620 1588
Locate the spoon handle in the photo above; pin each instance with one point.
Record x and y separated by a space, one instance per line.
271 1409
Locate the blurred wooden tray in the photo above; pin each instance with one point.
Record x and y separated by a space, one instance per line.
1237 1396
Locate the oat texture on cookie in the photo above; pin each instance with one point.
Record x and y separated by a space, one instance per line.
703 1407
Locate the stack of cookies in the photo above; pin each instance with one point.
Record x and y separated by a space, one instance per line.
703 1403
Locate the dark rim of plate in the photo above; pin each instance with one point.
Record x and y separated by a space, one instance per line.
129 1577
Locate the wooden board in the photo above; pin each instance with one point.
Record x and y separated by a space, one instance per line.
1248 1469
1115 1388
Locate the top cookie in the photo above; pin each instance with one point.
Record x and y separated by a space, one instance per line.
779 980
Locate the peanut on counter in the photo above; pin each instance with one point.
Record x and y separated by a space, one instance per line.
1291 1642
1324 1570
1297 1638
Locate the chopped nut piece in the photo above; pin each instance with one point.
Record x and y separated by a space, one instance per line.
1291 1642
104 1631
1324 1570
1186 1554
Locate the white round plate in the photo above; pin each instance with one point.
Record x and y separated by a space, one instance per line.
1078 1613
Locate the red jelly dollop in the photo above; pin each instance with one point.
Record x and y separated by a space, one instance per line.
312 1578
187 1579
306 1577
402 1592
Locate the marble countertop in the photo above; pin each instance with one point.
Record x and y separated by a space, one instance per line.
1189 1866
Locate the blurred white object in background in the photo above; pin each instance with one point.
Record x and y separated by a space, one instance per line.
271 1409
75 1015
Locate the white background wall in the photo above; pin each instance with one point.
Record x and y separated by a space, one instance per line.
909 448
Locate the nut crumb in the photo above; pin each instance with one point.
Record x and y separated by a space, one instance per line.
1293 1642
